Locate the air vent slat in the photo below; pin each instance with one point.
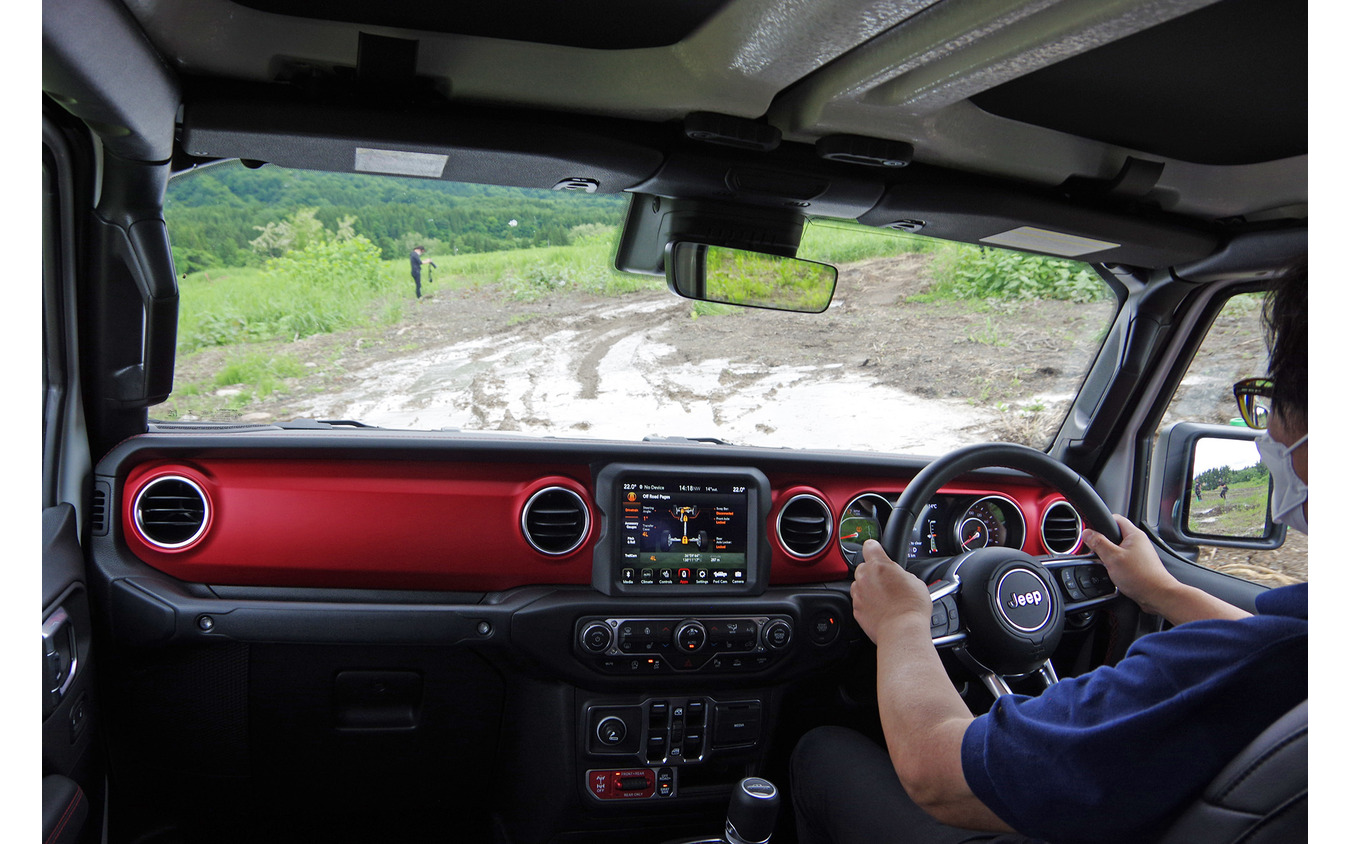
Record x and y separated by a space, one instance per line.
804 526
98 510
555 521
171 512
1061 528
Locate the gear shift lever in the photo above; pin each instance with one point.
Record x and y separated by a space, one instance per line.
753 811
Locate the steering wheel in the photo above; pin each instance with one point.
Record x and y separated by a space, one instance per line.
1002 610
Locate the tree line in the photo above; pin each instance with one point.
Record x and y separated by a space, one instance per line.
1213 478
215 215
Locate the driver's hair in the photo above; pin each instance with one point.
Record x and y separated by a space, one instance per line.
1286 326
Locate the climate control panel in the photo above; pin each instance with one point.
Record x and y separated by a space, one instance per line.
667 644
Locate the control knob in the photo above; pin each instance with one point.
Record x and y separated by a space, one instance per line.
596 637
690 636
777 633
611 730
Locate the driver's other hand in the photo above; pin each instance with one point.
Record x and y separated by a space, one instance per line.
1133 565
884 594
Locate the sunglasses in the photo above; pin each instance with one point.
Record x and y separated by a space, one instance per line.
1253 401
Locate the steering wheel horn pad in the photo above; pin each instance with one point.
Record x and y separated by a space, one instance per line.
1011 609
1013 612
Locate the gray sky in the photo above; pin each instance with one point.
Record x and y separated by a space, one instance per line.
1236 454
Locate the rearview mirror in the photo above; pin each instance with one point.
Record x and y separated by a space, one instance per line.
752 279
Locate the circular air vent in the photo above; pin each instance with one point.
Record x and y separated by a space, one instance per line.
1061 528
171 512
555 520
804 525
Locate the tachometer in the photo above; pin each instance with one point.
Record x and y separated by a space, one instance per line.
990 521
864 518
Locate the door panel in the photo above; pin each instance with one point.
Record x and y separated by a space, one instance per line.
71 767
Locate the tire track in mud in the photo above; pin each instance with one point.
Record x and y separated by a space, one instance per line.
643 368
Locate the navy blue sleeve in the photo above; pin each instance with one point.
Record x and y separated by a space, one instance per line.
1115 754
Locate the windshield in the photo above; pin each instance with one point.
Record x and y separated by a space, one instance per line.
300 299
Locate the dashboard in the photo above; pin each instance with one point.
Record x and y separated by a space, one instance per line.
439 521
646 617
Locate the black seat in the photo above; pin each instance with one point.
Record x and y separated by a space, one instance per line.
1261 797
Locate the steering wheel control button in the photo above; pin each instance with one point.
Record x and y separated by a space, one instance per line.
1094 581
1069 577
1024 600
939 616
778 633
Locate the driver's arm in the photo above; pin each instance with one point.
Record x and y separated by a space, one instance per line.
1139 574
922 715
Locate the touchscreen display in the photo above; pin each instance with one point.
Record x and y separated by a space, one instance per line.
677 531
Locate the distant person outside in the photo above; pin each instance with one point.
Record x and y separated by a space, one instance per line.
417 262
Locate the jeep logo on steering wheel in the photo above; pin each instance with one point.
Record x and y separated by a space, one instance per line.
1025 600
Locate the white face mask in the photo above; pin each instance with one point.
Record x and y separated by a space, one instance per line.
1289 493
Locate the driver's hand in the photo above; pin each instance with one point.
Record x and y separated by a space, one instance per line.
885 595
1134 565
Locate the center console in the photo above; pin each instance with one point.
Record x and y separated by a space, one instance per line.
679 658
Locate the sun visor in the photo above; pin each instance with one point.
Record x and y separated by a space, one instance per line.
457 147
992 216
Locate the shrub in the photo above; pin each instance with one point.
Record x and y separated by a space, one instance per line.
973 272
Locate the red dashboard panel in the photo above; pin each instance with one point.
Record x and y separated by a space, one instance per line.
435 525
364 524
837 491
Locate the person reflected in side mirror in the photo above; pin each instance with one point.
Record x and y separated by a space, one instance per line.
1112 755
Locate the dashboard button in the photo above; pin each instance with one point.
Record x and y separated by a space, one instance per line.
777 633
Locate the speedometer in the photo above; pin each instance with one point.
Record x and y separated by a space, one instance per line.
992 521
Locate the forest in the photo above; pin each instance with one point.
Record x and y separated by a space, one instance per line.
1214 478
216 213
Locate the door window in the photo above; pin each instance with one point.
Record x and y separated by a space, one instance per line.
1233 349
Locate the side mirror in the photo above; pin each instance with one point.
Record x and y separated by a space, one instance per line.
1209 487
752 279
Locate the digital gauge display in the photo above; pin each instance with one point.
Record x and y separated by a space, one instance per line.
866 516
925 542
947 526
674 531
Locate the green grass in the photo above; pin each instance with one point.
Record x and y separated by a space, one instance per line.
531 274
263 373
1242 513
225 307
837 243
